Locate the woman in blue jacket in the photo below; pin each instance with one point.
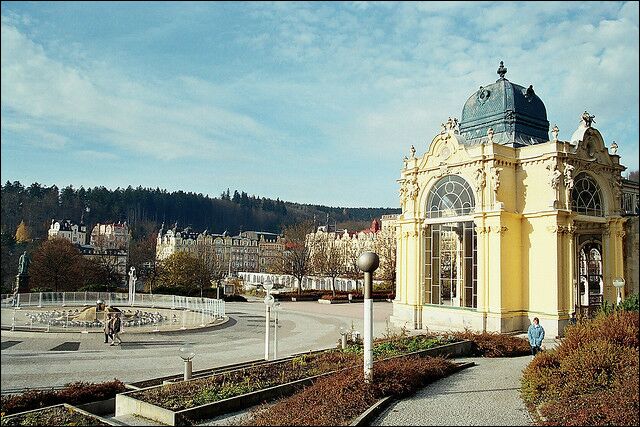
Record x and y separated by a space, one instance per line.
536 335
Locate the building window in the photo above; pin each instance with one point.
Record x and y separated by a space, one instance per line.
590 269
451 255
586 197
450 196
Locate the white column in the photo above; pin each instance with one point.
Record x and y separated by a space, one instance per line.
266 337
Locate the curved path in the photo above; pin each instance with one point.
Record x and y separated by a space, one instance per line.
38 359
484 395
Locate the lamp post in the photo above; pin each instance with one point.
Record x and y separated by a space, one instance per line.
276 309
368 262
187 354
268 301
619 284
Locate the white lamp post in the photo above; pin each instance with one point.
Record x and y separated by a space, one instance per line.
268 301
187 353
368 262
276 310
619 284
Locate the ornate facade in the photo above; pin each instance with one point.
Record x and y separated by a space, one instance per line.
66 229
500 223
379 237
250 251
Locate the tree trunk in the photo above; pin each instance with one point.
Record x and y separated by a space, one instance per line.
333 285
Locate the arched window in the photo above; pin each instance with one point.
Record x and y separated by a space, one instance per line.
450 196
586 197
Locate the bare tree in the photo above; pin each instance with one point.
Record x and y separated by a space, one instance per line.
385 247
327 258
296 258
57 265
112 261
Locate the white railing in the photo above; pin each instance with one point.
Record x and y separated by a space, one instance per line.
208 306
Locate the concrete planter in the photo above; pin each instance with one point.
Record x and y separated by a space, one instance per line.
336 301
126 404
101 407
62 405
456 349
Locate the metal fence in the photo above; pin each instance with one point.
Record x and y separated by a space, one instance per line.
208 306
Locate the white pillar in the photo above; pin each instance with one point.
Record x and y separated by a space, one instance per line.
368 329
275 337
266 337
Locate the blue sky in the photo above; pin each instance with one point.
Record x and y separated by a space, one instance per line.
308 102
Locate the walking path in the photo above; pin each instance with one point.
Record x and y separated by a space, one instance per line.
484 395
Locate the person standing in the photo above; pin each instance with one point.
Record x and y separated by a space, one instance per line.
116 323
536 335
107 328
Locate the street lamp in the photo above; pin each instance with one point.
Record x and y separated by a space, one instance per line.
187 353
276 309
619 284
268 301
368 262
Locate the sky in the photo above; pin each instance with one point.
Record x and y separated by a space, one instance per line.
306 102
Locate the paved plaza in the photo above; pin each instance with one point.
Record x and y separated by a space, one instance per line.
40 359
485 394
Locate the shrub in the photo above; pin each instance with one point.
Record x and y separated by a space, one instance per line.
591 378
630 303
491 344
350 395
235 298
73 394
188 394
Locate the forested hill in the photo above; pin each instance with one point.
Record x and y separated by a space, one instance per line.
145 209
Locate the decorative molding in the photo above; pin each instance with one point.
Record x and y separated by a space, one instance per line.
483 230
496 182
499 230
568 175
554 175
561 229
481 180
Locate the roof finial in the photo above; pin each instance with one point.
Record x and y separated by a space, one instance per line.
502 70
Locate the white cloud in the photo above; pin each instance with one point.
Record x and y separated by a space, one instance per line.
151 118
346 87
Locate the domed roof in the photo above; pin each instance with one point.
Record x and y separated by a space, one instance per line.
516 114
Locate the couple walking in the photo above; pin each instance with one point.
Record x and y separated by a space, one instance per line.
112 324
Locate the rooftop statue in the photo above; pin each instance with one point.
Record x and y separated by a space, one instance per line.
587 119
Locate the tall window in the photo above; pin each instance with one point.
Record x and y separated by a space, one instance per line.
450 196
450 247
590 272
586 197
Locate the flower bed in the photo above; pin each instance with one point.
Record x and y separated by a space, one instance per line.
492 344
591 378
60 415
304 296
349 395
344 296
188 394
395 346
73 393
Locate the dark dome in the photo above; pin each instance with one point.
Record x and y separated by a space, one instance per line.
516 114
